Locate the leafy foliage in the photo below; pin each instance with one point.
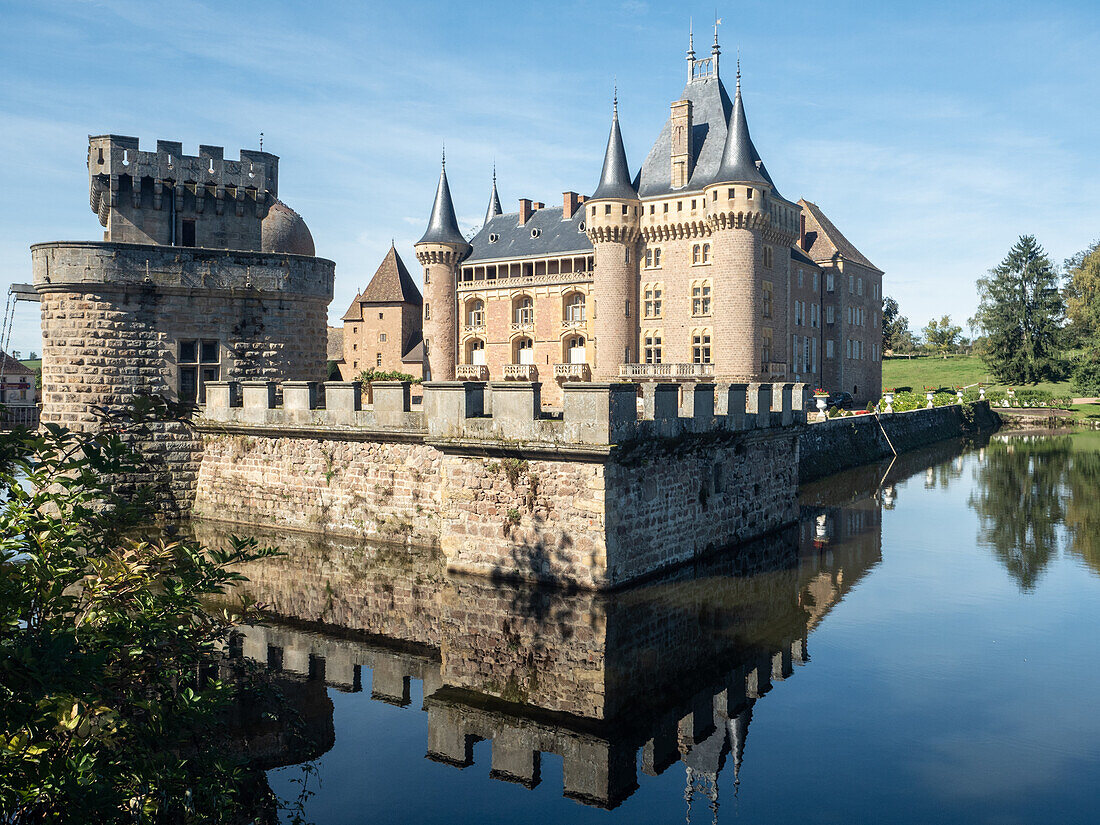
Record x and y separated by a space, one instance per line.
896 335
941 335
110 705
1021 312
369 376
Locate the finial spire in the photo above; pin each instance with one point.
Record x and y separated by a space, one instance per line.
691 37
739 70
261 141
615 101
494 208
444 162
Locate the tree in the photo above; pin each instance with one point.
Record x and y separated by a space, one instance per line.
1082 295
110 710
895 326
1020 311
33 356
941 335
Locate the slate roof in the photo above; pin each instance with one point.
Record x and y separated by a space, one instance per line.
825 240
391 284
335 348
555 236
9 366
443 225
738 161
801 257
711 111
494 202
615 178
415 354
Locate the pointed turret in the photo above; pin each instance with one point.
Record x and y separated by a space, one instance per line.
615 180
494 200
440 252
738 161
443 226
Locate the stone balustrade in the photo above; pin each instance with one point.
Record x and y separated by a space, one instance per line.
511 411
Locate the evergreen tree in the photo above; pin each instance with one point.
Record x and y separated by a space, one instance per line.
1021 313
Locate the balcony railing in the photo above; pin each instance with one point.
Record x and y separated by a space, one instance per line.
775 369
520 372
471 328
666 370
523 326
571 372
573 323
471 372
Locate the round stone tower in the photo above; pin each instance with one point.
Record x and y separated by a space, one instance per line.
440 252
737 211
612 223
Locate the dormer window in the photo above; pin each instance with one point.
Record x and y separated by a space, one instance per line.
536 232
493 237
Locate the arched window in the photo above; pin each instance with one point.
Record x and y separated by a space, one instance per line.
523 351
652 300
475 313
700 298
706 253
696 254
657 258
575 352
574 308
523 311
475 351
700 346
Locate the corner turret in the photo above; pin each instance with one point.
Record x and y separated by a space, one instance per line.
441 249
612 223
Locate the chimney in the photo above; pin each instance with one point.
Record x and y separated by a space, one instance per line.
681 119
802 231
525 210
570 202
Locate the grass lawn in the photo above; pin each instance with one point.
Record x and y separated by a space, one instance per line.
953 371
34 365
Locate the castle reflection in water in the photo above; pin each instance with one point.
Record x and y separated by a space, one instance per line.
672 667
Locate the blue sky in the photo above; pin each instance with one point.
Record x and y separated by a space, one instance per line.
933 134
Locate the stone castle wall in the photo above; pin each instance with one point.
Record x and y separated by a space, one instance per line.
113 316
828 447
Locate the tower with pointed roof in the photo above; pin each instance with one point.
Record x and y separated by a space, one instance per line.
612 218
382 327
440 250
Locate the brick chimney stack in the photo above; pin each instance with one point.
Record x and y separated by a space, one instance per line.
802 231
525 210
571 201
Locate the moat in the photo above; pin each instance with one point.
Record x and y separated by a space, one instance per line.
920 648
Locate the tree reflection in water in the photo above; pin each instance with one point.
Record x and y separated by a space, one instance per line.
1034 493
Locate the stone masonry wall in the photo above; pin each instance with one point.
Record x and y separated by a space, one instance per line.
113 317
830 446
368 489
674 503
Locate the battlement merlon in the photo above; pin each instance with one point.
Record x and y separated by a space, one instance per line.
113 156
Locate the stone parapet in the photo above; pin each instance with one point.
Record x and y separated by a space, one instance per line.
460 411
88 265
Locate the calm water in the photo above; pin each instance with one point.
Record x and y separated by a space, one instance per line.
922 649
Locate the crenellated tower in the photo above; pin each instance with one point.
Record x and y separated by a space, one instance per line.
612 223
440 251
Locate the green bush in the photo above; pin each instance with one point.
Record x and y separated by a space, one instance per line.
109 709
1086 373
370 376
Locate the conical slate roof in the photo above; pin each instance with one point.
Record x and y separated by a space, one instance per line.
615 180
494 201
739 158
443 226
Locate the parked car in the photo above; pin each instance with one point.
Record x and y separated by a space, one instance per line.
843 400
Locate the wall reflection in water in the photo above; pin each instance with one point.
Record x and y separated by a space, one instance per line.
671 668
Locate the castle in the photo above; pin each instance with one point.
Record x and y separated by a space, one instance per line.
694 268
